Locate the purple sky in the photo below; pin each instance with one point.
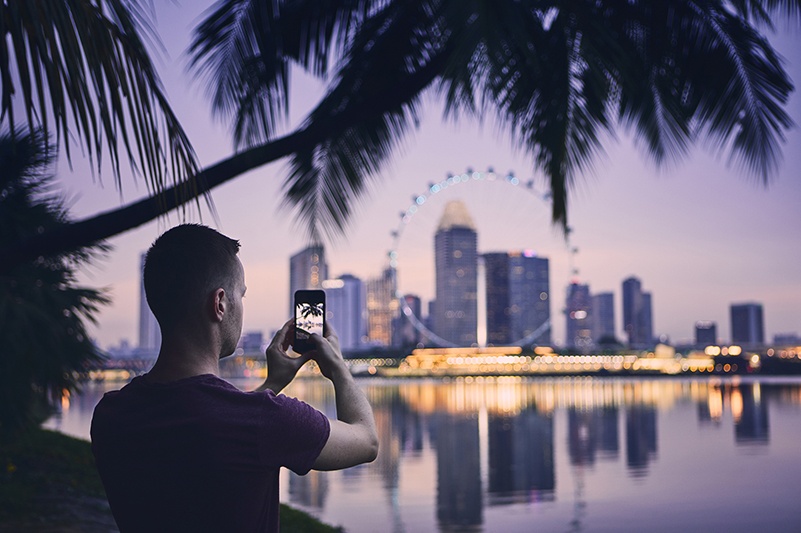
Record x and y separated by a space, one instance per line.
699 234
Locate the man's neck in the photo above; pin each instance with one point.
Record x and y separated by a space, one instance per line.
180 360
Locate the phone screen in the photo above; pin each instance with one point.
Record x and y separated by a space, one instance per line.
309 317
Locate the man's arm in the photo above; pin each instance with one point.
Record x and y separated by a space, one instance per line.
353 439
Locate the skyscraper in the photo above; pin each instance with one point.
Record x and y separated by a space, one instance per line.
346 309
747 324
577 309
706 333
149 331
406 332
602 316
307 270
456 265
518 298
499 327
637 314
382 308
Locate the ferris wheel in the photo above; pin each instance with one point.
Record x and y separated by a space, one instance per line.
514 205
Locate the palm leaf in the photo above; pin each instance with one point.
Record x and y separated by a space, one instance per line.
82 70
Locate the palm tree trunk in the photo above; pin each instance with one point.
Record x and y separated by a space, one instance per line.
73 235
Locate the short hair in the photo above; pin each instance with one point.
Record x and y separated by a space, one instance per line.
183 266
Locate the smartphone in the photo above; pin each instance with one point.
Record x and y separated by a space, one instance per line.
309 318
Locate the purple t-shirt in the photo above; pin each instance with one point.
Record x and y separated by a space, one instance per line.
199 454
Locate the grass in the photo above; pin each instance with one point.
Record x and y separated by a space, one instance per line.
48 483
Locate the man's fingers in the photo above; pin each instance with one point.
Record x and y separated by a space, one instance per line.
281 337
331 336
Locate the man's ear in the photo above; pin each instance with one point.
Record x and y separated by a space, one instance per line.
219 304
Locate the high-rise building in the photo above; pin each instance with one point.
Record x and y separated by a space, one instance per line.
346 309
406 332
577 310
307 270
149 331
518 298
499 327
602 316
382 308
706 333
747 324
637 314
456 265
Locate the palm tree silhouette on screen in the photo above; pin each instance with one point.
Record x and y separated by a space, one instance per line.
310 316
557 76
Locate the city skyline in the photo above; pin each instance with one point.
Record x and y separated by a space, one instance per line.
698 232
588 316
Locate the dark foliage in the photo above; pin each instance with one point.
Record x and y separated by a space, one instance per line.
43 314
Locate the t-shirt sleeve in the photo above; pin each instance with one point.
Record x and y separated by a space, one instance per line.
292 433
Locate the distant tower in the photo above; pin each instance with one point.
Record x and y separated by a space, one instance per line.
407 333
307 270
602 316
149 331
637 314
346 309
706 333
518 297
747 324
456 265
382 308
577 309
499 328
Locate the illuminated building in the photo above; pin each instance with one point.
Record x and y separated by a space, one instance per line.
149 331
345 309
747 325
518 298
637 314
382 308
307 270
577 311
456 265
602 316
706 333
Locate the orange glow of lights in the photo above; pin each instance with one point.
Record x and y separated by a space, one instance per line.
65 400
736 404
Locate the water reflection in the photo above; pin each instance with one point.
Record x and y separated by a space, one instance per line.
503 454
521 458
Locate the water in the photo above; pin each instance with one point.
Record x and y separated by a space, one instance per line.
566 454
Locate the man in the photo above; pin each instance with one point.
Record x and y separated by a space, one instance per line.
179 449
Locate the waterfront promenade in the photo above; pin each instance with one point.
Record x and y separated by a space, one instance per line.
513 361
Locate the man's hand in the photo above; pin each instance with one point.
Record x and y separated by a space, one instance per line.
327 353
281 368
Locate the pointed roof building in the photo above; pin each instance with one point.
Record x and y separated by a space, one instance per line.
456 216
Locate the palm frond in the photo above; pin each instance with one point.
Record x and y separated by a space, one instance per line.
741 89
82 70
384 71
557 75
244 50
